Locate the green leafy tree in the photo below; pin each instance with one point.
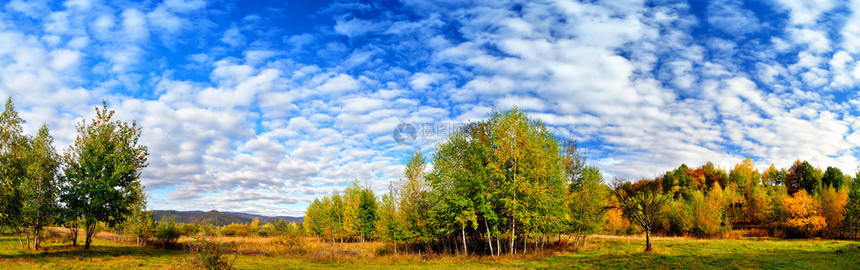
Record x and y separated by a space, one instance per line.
389 226
367 213
103 168
802 175
587 204
39 188
851 219
414 200
314 219
833 177
453 182
12 168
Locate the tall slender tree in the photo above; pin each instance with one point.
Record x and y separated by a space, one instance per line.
40 185
12 168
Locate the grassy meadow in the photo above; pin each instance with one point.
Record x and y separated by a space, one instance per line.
601 252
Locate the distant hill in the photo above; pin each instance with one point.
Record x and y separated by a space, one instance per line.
267 219
217 218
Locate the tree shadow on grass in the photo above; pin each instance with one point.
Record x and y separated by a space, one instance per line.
100 249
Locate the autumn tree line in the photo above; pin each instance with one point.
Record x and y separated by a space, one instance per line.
507 185
800 201
95 182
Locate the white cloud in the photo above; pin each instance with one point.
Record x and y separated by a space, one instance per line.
134 25
233 37
805 12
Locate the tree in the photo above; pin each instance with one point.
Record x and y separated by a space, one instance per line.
640 202
832 204
39 188
833 177
12 168
851 220
413 199
454 181
803 214
772 176
802 175
389 226
103 168
587 204
745 175
367 213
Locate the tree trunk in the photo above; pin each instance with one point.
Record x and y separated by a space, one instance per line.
647 240
525 244
73 231
499 245
513 226
27 234
91 229
465 249
37 239
20 241
489 238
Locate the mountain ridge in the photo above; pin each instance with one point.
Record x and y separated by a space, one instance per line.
217 218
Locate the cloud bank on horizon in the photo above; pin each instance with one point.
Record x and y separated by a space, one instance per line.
261 106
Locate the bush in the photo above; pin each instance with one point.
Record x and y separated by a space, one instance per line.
208 255
227 231
167 232
292 242
189 229
236 230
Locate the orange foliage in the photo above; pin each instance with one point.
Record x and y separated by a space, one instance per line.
803 214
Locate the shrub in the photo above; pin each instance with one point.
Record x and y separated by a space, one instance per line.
167 232
227 231
292 242
236 230
189 229
208 255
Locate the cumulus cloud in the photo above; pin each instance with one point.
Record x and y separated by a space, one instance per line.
243 113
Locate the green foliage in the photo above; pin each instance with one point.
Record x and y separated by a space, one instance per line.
140 225
587 203
851 220
833 177
13 169
189 229
167 232
103 167
367 213
803 175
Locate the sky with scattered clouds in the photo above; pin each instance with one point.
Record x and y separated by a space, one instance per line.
260 106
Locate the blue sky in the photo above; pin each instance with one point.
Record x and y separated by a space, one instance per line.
260 106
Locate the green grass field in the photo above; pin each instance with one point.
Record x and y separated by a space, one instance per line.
601 252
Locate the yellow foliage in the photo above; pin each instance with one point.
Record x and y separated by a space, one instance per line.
832 209
803 213
615 222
